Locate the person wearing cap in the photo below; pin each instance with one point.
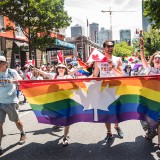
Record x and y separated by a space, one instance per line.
111 68
8 99
61 73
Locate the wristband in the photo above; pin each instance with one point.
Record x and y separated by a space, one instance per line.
113 66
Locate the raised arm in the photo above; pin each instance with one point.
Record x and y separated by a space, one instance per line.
143 59
45 74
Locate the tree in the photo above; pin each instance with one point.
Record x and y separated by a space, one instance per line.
35 17
151 42
122 49
151 11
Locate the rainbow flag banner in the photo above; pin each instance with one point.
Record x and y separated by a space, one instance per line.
111 100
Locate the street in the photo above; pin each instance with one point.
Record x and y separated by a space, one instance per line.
86 141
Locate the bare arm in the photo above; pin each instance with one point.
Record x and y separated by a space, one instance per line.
45 74
119 70
72 72
96 70
143 59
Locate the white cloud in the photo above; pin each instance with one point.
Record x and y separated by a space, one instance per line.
80 10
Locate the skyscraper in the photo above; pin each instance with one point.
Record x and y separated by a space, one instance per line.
77 31
125 35
102 36
93 29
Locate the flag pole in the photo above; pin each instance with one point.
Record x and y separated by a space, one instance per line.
87 27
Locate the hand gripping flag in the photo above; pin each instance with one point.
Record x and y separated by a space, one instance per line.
96 56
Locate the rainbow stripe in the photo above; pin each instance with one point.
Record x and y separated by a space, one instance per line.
53 100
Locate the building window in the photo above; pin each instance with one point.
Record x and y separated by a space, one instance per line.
1 23
19 32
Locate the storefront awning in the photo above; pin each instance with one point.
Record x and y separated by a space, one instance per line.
60 45
21 44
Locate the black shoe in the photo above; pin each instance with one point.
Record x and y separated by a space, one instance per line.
119 132
56 127
1 151
108 137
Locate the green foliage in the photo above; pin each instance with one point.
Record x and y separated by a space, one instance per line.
152 11
122 49
152 45
36 16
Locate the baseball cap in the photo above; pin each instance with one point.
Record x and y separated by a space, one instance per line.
2 58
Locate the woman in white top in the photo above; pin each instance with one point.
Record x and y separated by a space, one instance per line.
152 68
61 73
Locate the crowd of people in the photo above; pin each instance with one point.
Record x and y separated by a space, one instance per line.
114 66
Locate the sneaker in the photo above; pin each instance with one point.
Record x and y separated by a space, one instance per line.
22 139
65 141
151 134
108 137
119 132
1 151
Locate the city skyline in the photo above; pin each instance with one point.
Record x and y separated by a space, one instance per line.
80 11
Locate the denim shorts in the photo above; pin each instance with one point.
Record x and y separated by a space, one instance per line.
10 110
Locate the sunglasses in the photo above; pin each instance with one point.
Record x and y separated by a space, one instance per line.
157 58
61 67
109 46
2 62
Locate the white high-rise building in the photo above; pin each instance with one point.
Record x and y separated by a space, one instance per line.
93 29
102 36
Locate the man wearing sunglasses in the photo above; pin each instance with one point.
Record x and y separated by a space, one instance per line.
111 68
8 99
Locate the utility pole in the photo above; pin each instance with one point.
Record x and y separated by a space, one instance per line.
110 13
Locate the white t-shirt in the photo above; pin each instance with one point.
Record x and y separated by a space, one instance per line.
63 77
37 78
105 71
8 92
152 71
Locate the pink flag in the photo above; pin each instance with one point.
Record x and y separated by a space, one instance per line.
60 57
96 56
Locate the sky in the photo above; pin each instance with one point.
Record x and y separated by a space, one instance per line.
81 10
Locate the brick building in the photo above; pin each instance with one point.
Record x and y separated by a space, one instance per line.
14 44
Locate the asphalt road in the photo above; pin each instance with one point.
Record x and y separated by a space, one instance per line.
86 141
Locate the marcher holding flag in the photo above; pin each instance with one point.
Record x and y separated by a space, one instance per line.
152 68
110 68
